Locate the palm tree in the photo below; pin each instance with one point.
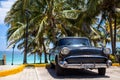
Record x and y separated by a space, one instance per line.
18 9
16 15
107 9
51 18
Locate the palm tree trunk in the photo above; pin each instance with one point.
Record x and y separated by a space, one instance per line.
111 32
49 57
45 53
26 38
34 58
115 38
25 58
115 34
40 58
40 55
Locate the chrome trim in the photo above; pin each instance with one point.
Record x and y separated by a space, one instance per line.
94 56
64 64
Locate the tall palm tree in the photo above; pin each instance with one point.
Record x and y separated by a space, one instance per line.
107 9
50 18
18 9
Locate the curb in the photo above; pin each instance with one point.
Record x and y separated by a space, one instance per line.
115 64
19 69
38 65
12 71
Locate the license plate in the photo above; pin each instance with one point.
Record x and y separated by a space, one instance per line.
88 66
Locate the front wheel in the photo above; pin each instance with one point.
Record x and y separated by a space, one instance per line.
101 71
52 65
59 70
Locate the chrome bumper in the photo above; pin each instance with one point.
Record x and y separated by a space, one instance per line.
64 64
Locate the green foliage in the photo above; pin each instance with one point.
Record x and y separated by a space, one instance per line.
112 58
49 19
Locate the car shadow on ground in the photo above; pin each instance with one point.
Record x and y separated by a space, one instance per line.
76 74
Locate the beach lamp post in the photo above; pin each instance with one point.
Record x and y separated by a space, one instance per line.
13 54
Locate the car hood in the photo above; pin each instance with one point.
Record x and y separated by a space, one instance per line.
81 47
84 50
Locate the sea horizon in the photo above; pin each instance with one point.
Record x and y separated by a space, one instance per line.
18 57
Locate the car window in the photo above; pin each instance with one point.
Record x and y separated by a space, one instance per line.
74 41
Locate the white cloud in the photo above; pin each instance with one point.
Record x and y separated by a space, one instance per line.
3 13
6 5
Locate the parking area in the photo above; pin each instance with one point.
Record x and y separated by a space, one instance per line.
113 73
41 73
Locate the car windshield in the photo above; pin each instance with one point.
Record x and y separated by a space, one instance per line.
74 41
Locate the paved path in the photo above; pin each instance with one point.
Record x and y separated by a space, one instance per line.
7 67
28 73
40 73
112 73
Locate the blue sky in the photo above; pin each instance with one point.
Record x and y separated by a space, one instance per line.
5 6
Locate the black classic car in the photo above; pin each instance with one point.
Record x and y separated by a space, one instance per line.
78 53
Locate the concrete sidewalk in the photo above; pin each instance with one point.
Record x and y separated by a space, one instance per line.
29 73
7 67
41 73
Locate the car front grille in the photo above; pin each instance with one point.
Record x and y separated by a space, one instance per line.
79 60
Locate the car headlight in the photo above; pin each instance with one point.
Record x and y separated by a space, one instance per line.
107 51
65 51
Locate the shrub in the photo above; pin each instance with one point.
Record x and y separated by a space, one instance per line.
112 58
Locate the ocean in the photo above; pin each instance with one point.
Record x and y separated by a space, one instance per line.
18 57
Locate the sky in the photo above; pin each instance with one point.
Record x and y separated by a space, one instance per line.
5 6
